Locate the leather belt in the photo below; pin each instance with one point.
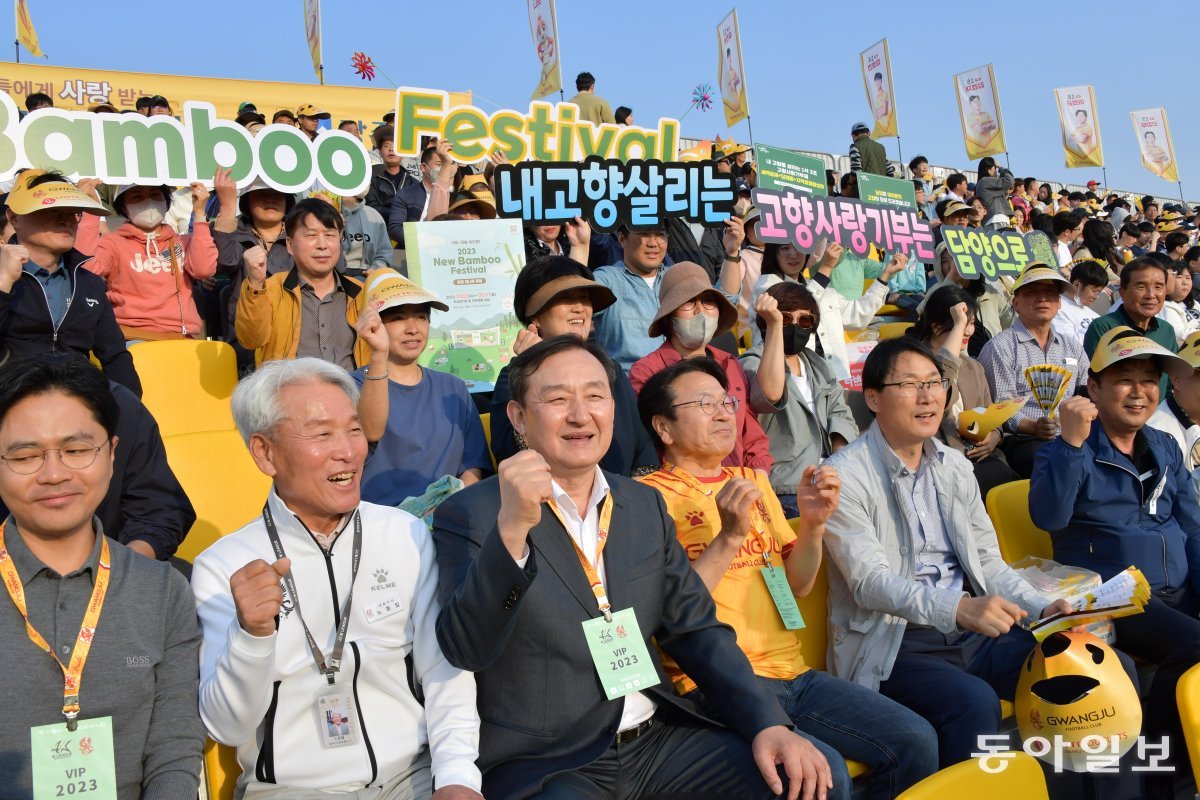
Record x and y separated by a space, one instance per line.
629 734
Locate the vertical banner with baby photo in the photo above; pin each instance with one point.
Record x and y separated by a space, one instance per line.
979 111
877 79
1154 142
472 265
731 75
1080 128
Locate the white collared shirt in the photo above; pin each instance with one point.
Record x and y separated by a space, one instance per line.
586 533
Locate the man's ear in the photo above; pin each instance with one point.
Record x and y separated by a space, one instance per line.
516 415
263 454
871 396
659 424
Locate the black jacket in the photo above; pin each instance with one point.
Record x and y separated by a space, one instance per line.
89 326
384 187
681 246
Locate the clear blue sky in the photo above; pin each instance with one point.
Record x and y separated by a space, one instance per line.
801 61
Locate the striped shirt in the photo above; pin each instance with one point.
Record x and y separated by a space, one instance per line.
324 331
1006 356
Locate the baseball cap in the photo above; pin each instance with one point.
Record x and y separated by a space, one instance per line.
1038 272
859 127
955 207
284 112
1190 351
1090 184
246 106
309 110
1123 343
387 288
24 199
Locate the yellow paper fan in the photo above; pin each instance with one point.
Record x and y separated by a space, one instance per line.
1049 383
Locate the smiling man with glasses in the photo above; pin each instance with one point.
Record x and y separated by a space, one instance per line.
922 606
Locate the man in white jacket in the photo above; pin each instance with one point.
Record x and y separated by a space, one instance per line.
332 684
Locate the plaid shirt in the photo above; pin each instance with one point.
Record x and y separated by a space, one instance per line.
1006 356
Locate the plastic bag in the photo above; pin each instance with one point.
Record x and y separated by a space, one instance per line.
1060 581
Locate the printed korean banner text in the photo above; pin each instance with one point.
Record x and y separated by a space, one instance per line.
1154 142
1080 127
979 111
877 80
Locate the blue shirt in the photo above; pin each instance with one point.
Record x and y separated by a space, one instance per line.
432 430
621 328
57 286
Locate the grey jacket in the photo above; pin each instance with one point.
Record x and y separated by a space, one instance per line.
872 592
994 192
799 437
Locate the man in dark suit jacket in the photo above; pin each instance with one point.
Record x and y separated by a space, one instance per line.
516 598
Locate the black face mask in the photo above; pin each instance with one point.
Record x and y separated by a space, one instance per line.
795 339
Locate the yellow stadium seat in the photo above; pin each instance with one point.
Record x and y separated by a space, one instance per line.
889 310
1187 696
221 771
893 330
1021 778
1008 506
187 384
222 481
486 419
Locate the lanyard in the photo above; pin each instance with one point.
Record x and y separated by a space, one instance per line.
757 525
588 569
73 670
327 668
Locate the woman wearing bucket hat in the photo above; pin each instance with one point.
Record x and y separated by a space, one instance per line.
690 313
553 296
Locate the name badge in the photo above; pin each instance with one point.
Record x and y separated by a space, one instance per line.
383 609
619 654
781 595
78 763
1071 362
335 719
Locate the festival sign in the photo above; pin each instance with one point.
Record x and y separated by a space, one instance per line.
1154 142
979 111
778 168
610 193
977 252
472 265
549 132
543 24
877 80
76 89
731 75
800 220
130 148
884 191
1080 128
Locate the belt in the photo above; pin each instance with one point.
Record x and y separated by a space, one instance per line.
629 734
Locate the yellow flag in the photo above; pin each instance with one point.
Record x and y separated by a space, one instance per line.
731 73
979 111
877 79
1080 128
312 32
26 35
1154 142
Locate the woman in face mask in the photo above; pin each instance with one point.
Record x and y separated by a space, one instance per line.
150 269
801 405
691 311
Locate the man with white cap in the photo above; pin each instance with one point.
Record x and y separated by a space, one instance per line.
1113 493
47 303
421 423
1031 340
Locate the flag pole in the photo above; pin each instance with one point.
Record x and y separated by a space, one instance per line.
1104 175
1180 185
900 152
1007 161
749 130
16 31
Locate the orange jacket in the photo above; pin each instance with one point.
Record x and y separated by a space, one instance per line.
268 320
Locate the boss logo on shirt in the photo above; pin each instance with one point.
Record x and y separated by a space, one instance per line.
138 662
381 581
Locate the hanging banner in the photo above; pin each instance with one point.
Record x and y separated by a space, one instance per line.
543 23
1154 142
1080 129
778 168
730 72
26 35
877 80
979 111
472 265
312 32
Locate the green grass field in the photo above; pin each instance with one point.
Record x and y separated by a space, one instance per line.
465 361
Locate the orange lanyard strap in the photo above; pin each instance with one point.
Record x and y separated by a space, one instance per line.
757 526
73 670
589 569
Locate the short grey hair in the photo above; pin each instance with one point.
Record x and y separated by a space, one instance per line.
256 405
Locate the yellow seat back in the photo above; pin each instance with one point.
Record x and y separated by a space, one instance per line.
1008 507
220 478
893 330
1187 696
221 771
814 637
187 384
1021 778
486 419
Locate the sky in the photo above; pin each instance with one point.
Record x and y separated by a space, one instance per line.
801 63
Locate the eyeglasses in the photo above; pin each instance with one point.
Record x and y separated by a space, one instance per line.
911 388
29 460
650 234
706 303
709 405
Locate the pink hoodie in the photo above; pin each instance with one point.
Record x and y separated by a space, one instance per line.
144 290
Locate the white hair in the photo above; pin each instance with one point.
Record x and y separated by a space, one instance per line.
256 405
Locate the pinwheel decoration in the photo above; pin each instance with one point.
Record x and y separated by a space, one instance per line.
702 96
364 67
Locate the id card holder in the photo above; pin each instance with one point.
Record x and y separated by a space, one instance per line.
78 763
619 654
336 725
781 595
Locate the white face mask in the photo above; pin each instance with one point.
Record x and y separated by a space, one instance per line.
148 214
694 332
